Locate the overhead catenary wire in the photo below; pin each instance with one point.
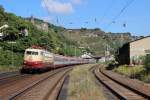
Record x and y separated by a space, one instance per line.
128 3
103 16
45 2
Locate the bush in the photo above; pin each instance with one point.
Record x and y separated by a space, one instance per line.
129 71
6 58
83 29
147 63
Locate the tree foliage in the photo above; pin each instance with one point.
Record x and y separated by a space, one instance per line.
52 40
147 62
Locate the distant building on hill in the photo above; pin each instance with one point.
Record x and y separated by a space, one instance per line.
40 24
134 51
32 19
86 56
24 32
1 35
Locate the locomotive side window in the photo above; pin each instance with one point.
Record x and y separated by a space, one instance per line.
42 53
46 54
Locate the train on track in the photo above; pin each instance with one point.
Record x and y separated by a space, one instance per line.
37 59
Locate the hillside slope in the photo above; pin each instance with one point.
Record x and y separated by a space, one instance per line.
97 41
23 33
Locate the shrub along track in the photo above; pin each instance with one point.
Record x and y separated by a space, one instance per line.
122 87
35 87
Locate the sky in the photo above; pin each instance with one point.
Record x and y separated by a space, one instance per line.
87 13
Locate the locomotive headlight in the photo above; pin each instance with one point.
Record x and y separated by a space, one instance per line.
24 62
36 62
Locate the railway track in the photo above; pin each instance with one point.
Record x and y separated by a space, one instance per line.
9 74
122 87
36 87
10 77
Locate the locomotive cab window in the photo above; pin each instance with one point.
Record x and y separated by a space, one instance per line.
28 52
34 53
31 53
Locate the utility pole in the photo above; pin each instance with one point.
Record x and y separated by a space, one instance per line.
75 52
105 52
122 39
12 55
65 49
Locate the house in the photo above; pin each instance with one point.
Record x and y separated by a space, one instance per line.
86 56
134 51
1 36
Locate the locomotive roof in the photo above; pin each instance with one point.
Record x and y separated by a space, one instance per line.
34 49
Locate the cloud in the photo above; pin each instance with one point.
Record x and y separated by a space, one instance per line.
54 6
47 19
76 2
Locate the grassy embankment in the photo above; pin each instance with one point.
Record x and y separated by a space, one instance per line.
137 72
81 85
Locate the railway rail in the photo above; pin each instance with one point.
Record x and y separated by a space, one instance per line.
8 74
36 87
9 78
122 87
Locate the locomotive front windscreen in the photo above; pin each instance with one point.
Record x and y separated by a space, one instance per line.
31 53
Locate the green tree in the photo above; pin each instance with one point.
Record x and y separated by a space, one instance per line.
147 63
12 33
